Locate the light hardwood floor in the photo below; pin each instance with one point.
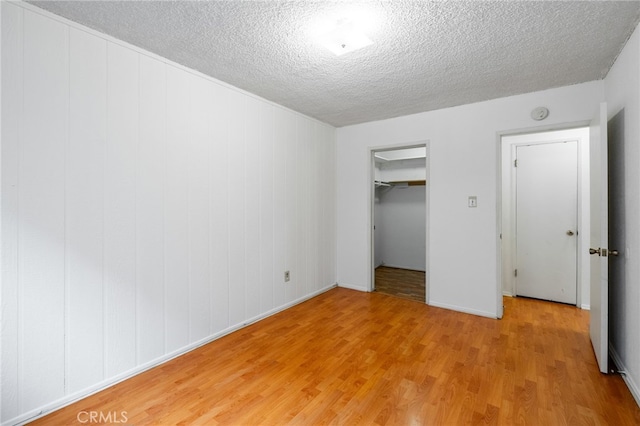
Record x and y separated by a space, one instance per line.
347 357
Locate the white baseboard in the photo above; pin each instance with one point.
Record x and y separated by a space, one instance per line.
353 287
409 268
70 399
463 309
631 384
509 294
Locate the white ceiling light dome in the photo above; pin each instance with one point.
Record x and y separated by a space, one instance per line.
345 29
344 38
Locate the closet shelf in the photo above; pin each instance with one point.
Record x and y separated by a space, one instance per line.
409 182
380 183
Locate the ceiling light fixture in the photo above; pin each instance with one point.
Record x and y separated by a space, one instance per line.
345 37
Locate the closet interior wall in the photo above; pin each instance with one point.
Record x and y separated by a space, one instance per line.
400 214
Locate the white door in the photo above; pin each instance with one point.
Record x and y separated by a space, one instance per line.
547 221
599 315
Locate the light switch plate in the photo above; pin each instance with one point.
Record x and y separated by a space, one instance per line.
473 201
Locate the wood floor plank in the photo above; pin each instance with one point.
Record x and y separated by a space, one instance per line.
404 283
347 357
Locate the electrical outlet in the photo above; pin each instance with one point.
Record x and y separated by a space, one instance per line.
287 276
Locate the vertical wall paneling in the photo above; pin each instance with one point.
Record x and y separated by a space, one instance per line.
266 189
333 153
328 201
198 192
293 227
334 204
305 191
237 212
310 192
252 180
314 256
320 255
301 206
324 208
323 188
329 207
12 102
176 211
41 205
145 208
316 252
332 182
294 183
84 198
290 205
120 209
300 183
321 258
150 184
219 219
279 206
302 187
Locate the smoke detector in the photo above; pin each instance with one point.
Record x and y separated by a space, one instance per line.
539 113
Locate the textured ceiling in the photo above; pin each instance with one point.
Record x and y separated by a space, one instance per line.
426 55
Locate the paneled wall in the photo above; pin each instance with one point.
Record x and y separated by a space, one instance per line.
146 209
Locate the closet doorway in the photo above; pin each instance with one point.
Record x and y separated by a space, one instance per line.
399 218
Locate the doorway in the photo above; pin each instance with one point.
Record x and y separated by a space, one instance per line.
545 215
399 221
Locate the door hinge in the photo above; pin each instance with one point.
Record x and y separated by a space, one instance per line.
515 163
515 273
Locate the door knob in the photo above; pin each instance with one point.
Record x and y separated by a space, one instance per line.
594 251
569 232
613 252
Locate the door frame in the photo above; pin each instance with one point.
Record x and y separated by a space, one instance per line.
504 244
371 195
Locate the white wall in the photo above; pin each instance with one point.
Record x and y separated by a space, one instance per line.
401 228
403 170
508 189
464 160
146 209
622 90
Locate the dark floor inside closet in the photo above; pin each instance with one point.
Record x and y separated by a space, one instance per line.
403 283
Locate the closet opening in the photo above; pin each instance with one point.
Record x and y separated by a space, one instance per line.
399 218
